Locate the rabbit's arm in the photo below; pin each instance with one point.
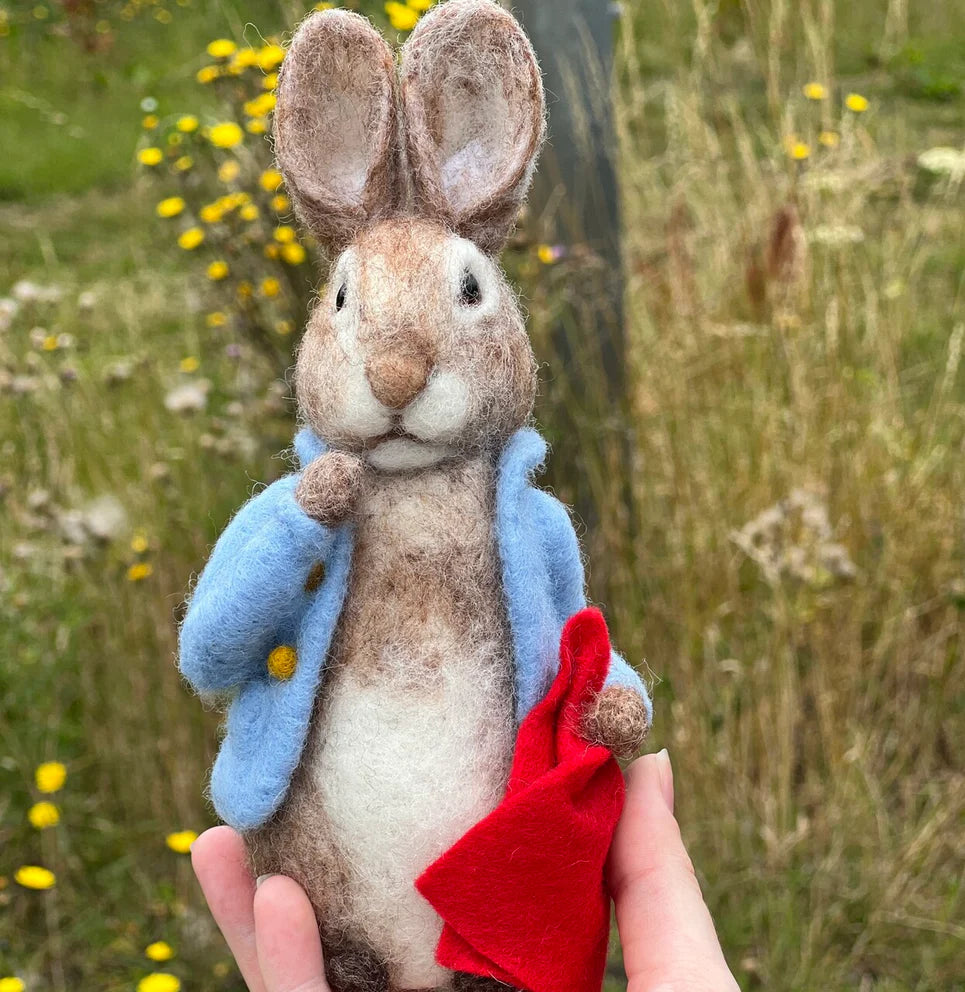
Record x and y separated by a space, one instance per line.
565 564
251 588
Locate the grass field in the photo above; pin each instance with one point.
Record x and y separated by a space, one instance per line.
784 545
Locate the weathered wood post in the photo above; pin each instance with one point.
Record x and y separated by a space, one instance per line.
575 203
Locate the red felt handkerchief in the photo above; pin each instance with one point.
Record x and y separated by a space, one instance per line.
522 894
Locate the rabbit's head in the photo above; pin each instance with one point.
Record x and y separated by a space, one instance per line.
416 350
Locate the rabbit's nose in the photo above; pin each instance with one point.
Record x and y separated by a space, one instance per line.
398 376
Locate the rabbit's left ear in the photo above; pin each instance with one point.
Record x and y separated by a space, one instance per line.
474 112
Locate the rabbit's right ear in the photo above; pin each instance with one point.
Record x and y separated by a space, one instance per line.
335 126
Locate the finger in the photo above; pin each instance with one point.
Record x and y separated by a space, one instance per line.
218 858
286 934
666 931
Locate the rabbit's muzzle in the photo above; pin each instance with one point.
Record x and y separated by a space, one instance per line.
397 376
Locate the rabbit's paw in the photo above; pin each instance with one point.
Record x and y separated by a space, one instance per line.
330 486
618 720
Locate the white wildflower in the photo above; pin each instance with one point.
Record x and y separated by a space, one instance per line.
188 397
944 161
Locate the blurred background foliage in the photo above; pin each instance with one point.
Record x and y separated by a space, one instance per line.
779 497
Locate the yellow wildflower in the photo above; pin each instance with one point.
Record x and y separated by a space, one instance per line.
280 203
420 5
260 106
187 123
159 981
271 250
221 48
284 327
211 213
50 343
228 170
324 5
180 842
159 951
856 102
150 156
293 254
50 776
546 254
190 363
191 238
207 74
248 212
798 150
150 122
217 270
829 139
11 984
170 207
244 58
256 125
401 17
216 319
42 815
815 91
35 877
270 81
270 57
184 163
226 135
139 571
270 287
245 289
270 180
282 662
139 544
163 16
284 234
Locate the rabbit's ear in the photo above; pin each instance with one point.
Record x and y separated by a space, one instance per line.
473 102
336 133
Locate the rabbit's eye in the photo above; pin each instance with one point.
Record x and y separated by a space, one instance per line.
340 297
470 294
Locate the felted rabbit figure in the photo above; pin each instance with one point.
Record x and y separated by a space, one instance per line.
386 616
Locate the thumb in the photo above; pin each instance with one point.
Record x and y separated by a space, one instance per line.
668 937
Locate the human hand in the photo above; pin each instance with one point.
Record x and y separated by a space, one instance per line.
668 938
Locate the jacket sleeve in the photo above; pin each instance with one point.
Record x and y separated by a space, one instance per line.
251 590
565 565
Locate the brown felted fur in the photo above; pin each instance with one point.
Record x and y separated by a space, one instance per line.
336 126
474 110
329 487
617 720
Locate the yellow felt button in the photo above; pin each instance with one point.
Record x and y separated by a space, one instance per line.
282 662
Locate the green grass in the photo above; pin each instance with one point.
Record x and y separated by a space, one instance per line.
814 720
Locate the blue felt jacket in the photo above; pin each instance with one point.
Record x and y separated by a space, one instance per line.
252 598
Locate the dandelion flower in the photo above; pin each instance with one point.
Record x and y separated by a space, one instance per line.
211 213
280 203
270 81
248 212
159 981
187 123
150 122
139 571
11 984
159 951
35 877
191 238
829 139
421 5
270 287
244 58
217 270
256 125
50 776
170 207
226 135
270 180
190 363
216 319
799 150
270 57
293 254
228 171
43 815
139 544
856 103
207 74
815 91
401 17
150 156
284 234
221 48
180 842
184 163
260 106
282 662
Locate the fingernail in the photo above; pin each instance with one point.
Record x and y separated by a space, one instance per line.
262 878
665 772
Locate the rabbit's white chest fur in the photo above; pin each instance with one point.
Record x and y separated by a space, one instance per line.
416 727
